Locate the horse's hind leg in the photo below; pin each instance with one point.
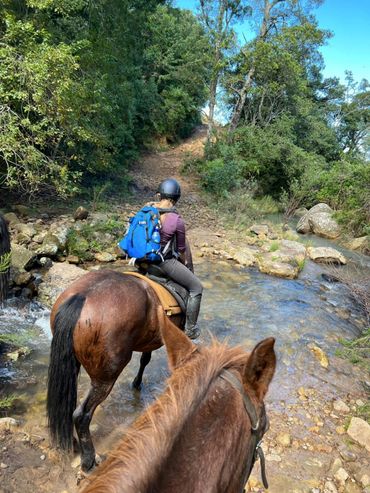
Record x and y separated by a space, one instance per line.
82 419
144 360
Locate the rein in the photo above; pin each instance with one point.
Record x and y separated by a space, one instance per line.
257 426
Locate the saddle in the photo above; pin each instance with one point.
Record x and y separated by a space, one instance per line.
172 296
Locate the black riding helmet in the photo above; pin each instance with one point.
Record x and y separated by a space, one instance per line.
169 189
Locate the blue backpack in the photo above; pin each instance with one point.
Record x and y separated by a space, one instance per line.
142 240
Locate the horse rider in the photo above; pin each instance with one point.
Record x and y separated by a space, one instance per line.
175 251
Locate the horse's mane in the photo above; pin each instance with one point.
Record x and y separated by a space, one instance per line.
149 441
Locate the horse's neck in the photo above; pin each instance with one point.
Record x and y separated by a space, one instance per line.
165 435
208 454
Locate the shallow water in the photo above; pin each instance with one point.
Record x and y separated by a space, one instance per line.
239 304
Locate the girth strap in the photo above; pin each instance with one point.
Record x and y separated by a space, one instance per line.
257 433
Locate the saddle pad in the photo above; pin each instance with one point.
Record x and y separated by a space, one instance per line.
169 303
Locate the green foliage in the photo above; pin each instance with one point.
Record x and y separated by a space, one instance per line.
5 261
89 239
7 402
240 208
267 155
13 339
357 350
83 85
274 246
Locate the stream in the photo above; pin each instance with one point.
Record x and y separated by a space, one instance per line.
239 304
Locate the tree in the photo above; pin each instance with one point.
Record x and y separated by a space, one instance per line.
217 18
353 118
84 85
271 16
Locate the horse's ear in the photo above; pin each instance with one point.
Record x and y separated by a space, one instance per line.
260 366
178 345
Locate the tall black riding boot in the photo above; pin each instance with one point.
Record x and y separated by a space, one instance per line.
192 312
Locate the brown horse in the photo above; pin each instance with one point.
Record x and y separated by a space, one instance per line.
201 434
97 322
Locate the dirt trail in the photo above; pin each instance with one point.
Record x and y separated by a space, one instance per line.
201 221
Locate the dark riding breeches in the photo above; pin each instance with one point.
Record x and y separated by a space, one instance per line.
182 275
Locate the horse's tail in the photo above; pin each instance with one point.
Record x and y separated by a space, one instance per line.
63 371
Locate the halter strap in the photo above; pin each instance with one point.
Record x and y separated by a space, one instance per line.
249 407
257 433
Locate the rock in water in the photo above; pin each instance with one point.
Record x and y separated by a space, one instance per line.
320 355
359 430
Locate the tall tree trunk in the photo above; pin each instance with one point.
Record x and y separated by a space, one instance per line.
220 34
238 109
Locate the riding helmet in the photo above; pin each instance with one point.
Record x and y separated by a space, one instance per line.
169 189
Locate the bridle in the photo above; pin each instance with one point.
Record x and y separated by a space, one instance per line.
259 426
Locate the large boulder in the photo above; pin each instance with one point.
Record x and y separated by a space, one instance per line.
303 226
277 268
283 258
319 220
244 256
321 207
22 258
259 229
27 229
322 224
362 244
56 280
326 255
11 218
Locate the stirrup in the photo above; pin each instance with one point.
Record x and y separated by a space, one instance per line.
192 332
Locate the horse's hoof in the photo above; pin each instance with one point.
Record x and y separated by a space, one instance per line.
136 385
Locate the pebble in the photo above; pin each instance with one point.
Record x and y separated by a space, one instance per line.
347 455
42 457
336 465
341 475
284 439
359 430
3 466
330 487
341 407
365 480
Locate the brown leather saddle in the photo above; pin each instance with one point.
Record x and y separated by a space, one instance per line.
167 300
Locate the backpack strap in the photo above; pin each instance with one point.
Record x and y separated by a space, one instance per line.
172 244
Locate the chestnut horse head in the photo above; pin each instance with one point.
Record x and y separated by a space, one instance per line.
200 435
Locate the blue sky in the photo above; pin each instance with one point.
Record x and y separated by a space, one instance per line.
349 48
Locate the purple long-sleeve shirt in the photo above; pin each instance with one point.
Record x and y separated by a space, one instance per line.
173 225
